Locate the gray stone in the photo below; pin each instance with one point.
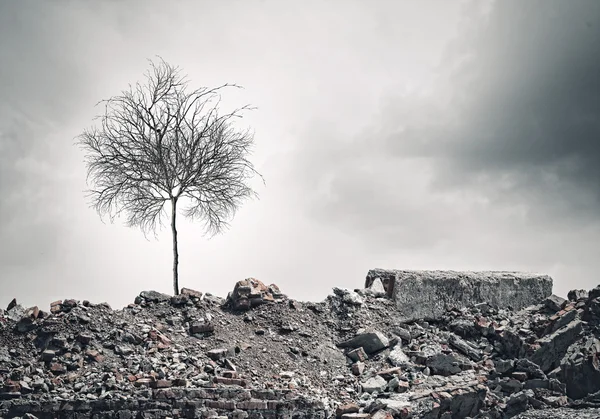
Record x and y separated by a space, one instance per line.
397 356
536 383
466 404
371 341
553 347
532 369
374 384
518 402
12 304
511 344
504 366
580 369
48 355
402 333
217 354
377 288
123 350
442 364
348 296
154 296
555 303
594 292
464 347
357 355
511 385
565 319
428 294
358 368
393 383
576 295
16 312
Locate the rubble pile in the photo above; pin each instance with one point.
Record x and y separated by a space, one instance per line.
259 354
251 293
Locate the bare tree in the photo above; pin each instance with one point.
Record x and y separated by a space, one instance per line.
160 142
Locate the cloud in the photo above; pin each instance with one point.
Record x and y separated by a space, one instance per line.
527 106
498 158
33 105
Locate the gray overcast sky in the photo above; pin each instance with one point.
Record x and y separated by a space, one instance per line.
397 134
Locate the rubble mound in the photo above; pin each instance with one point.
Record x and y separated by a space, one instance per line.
251 293
260 354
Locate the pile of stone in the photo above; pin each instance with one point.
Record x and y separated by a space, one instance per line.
251 293
479 361
79 352
358 354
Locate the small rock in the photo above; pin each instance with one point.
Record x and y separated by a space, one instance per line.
576 295
179 300
403 386
377 288
348 297
12 304
286 374
397 357
191 293
374 384
48 355
358 368
393 383
154 296
402 333
443 364
357 355
371 341
382 414
57 368
519 375
555 303
346 408
504 366
202 328
217 354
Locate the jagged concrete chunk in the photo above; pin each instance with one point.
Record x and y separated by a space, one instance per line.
377 288
397 357
580 368
371 341
374 384
553 347
555 303
428 294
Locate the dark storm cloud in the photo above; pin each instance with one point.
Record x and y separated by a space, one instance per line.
528 102
509 134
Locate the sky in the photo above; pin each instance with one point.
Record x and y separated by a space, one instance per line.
439 134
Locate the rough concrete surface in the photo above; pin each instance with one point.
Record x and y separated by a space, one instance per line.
428 294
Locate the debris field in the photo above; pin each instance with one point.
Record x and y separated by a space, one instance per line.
259 354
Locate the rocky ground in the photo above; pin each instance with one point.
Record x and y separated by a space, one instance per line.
260 354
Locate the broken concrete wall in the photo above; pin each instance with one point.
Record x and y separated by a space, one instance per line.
428 294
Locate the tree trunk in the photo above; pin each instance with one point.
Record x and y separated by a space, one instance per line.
175 252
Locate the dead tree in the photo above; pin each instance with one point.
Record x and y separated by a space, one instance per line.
160 142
